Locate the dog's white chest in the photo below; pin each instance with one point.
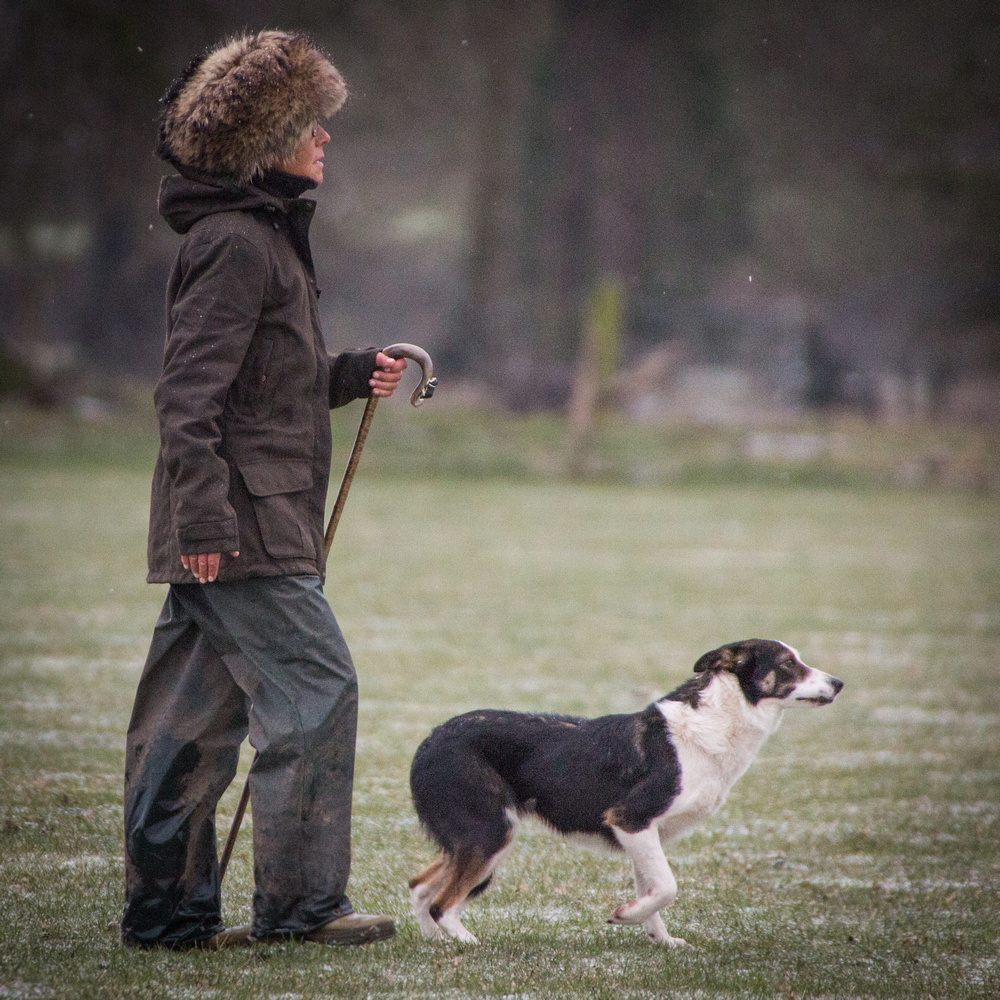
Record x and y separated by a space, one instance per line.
715 744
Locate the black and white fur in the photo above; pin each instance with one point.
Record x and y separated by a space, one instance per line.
630 782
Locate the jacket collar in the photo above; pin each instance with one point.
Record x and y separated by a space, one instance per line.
282 185
192 194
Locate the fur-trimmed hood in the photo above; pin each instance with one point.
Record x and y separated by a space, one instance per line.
242 107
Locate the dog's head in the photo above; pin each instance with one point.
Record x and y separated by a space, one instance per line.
766 668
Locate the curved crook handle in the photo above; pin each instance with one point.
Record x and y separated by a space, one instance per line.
428 383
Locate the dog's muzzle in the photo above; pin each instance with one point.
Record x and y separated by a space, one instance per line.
824 698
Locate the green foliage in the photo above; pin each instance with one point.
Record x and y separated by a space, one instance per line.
857 857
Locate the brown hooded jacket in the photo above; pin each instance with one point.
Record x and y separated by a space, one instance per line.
247 385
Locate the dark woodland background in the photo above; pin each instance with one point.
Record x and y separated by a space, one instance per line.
799 196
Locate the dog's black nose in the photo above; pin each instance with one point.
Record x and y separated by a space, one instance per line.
837 684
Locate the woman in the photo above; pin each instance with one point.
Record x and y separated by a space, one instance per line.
246 639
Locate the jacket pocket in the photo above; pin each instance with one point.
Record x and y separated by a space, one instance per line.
281 494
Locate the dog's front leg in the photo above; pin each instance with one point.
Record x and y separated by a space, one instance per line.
655 885
654 925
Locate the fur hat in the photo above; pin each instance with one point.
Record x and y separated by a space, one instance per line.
242 107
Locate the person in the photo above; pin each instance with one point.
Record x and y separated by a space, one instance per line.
246 641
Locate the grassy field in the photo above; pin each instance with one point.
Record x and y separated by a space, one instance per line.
858 857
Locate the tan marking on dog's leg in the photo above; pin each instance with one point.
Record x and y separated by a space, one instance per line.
451 920
428 873
464 875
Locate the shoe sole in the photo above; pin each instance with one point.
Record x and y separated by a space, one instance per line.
377 932
205 944
224 945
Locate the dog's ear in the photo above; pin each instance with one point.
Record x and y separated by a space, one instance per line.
732 657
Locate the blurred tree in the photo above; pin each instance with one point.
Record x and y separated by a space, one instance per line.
70 149
80 81
603 158
844 154
873 155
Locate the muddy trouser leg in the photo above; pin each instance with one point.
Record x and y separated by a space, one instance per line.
280 643
182 751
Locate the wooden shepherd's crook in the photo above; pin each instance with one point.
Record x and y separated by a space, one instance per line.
428 383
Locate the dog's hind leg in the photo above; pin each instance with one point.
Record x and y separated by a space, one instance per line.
465 873
423 889
655 885
468 877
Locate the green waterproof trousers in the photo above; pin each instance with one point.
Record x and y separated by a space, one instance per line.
267 656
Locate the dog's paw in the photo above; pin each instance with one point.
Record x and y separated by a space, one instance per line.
432 932
656 931
456 930
464 936
623 915
667 941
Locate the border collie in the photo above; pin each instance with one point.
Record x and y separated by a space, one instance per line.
629 782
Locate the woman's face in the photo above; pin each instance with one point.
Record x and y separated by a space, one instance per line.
307 160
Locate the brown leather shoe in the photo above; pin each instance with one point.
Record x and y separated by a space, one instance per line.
355 928
231 937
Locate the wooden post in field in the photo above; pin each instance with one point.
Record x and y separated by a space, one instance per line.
596 365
